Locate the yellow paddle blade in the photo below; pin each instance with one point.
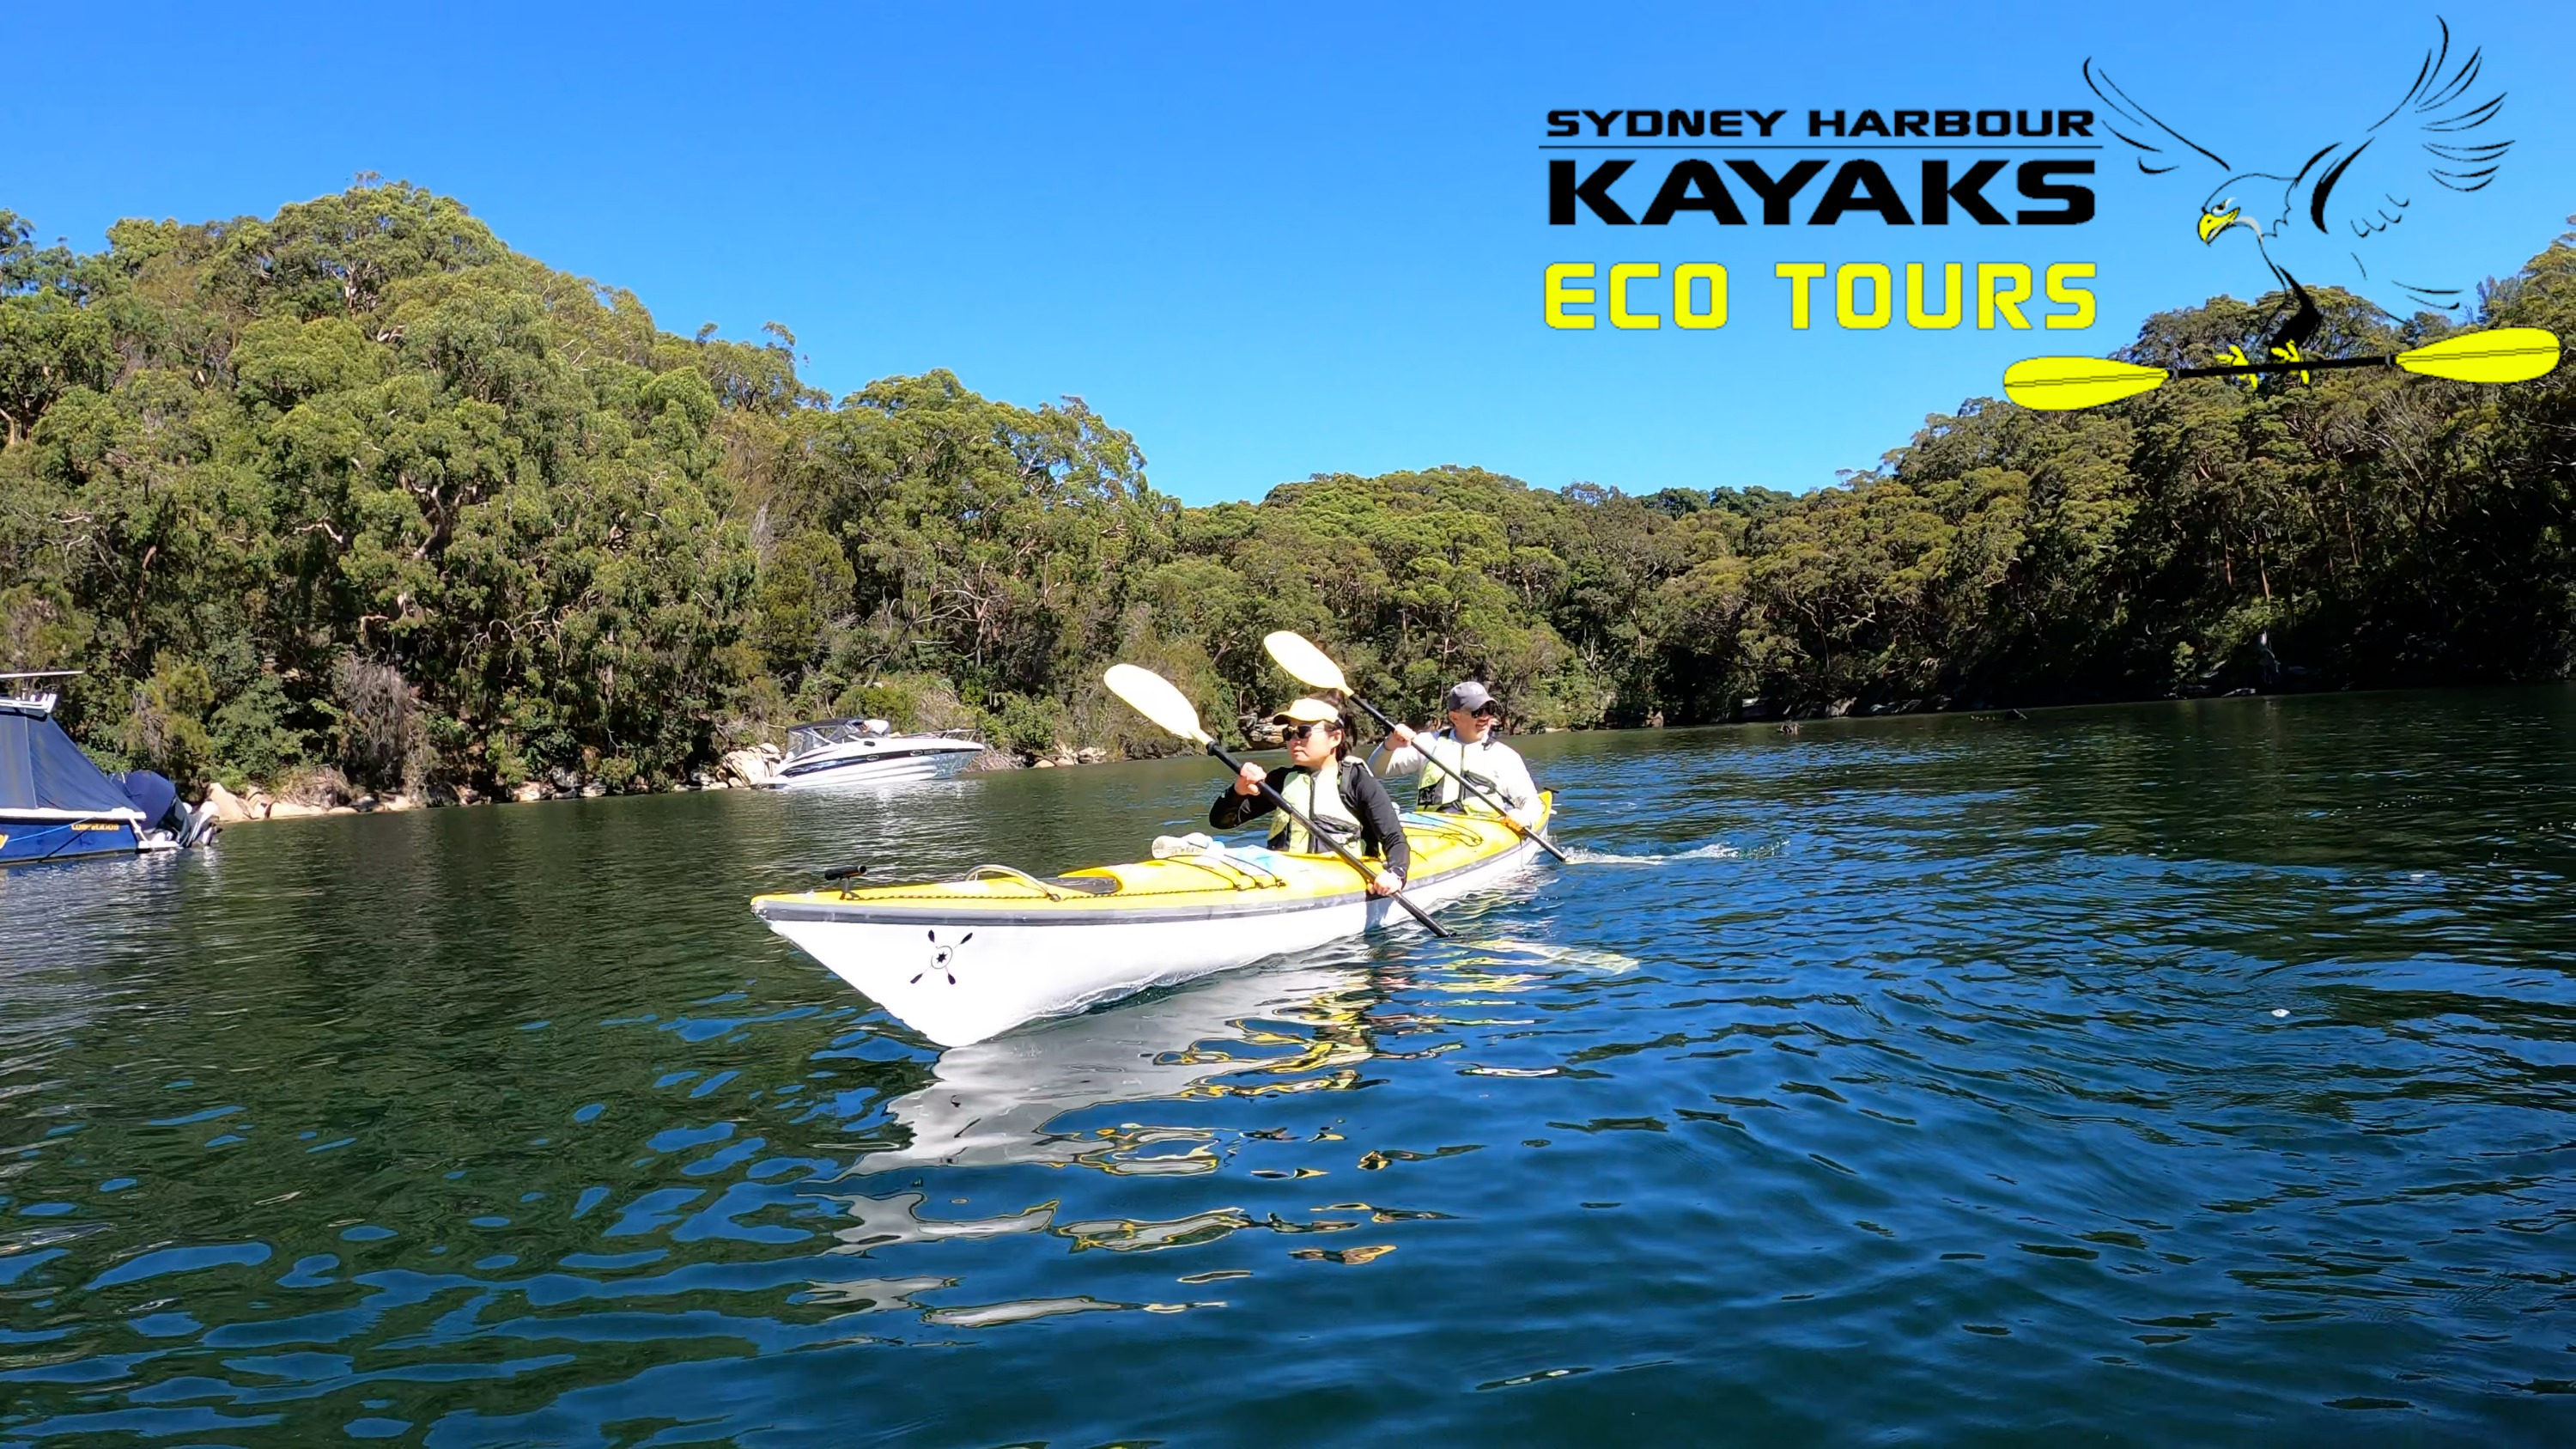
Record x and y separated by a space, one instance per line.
1304 662
2059 384
1153 696
2500 354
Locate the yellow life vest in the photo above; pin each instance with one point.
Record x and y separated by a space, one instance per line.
1436 789
1318 793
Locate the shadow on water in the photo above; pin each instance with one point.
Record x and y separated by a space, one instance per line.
2172 1074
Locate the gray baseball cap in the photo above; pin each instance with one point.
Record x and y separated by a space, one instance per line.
1467 694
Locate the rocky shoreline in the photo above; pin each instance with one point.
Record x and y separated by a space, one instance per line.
741 769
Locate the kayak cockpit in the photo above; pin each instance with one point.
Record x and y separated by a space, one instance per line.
1096 883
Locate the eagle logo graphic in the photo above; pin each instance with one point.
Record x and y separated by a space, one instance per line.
940 958
2340 215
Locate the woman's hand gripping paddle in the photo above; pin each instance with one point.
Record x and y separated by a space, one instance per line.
1303 661
1153 696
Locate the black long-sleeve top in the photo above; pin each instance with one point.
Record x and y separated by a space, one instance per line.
1381 827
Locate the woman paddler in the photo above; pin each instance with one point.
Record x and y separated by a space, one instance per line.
1335 791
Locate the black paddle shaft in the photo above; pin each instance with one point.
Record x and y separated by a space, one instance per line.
1499 809
2256 369
1277 802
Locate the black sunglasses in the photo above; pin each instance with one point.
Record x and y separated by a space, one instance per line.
1299 732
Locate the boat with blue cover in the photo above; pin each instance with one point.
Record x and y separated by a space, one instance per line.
55 804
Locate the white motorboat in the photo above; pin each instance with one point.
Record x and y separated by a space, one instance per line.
828 752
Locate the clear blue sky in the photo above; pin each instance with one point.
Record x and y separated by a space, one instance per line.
1269 242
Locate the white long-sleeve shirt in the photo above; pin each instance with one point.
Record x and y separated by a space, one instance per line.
1489 759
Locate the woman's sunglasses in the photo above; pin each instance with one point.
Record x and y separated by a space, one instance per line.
1299 732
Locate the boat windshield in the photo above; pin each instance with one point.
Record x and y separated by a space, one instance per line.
823 734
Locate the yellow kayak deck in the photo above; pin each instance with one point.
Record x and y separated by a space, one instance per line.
1442 844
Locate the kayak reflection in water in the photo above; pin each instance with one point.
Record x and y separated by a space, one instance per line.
1293 1029
1336 792
1468 747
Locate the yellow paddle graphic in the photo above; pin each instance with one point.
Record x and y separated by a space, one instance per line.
2500 354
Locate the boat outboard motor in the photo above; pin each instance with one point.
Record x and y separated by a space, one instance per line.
198 825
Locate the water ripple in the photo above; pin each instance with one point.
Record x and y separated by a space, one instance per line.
2150 1072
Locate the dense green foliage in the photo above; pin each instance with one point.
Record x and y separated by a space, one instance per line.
358 487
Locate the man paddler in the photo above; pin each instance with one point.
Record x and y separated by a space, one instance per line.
1335 791
1468 747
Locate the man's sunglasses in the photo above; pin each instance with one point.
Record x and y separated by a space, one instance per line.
1299 732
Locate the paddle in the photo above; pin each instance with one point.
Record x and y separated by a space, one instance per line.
2501 354
1153 696
1303 661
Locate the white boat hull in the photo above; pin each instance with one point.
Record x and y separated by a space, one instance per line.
865 771
963 982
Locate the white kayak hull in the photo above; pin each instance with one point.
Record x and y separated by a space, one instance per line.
962 981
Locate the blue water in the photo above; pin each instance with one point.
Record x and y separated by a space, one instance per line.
2177 1074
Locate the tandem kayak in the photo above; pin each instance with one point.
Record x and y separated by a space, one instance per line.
963 960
